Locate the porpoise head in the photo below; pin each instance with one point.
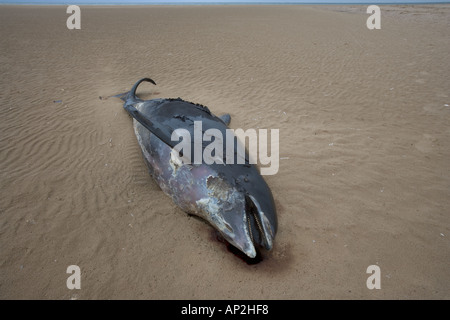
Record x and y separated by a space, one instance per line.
244 218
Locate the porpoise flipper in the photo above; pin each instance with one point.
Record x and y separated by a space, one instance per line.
153 127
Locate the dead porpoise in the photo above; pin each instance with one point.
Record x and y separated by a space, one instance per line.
233 198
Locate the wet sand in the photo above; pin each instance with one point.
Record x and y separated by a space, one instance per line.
364 176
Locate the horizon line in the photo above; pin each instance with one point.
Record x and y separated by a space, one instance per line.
188 3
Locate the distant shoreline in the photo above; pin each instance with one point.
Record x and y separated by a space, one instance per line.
220 3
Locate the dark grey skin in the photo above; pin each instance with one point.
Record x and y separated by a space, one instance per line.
233 198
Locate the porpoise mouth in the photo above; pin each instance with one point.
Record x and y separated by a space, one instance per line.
260 230
255 229
248 247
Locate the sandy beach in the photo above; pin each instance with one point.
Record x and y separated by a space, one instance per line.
364 123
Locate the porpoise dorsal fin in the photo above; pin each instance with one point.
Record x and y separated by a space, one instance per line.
226 118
